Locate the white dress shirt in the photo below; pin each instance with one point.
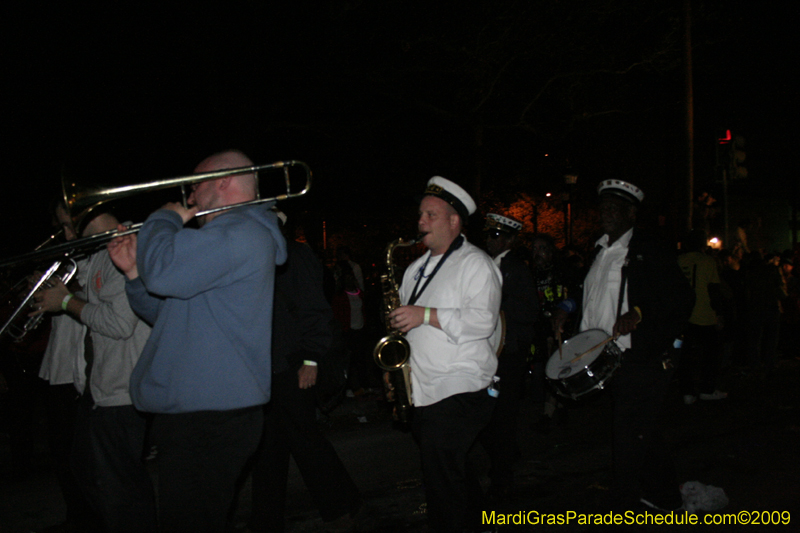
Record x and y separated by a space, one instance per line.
602 285
459 357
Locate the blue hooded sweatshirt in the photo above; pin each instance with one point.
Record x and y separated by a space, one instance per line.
208 293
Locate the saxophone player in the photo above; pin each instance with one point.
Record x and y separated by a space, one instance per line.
451 303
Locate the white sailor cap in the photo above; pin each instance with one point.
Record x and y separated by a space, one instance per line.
623 189
454 195
501 223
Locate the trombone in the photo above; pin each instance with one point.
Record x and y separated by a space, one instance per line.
87 199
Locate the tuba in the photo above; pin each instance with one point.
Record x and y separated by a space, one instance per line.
392 351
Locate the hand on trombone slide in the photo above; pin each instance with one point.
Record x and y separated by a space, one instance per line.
185 214
123 253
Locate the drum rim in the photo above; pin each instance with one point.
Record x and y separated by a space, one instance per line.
602 336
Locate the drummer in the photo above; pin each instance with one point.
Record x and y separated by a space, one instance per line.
635 291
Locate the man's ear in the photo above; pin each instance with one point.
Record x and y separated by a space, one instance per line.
224 183
455 220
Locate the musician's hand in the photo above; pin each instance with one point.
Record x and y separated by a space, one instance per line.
626 323
185 214
122 251
307 376
49 300
408 317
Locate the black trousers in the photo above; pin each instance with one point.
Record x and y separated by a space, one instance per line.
499 438
61 403
445 432
200 458
643 465
107 463
290 429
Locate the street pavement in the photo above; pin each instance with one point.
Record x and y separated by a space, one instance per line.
747 444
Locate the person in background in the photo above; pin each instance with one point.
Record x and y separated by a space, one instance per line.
557 287
765 291
701 343
108 444
348 310
62 366
302 337
520 312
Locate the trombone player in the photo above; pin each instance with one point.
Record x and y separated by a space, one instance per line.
206 370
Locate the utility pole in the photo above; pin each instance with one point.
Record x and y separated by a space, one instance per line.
687 21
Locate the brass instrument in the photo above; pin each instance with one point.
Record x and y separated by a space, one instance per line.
19 323
392 351
87 199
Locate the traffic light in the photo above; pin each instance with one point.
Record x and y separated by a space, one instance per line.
737 168
730 156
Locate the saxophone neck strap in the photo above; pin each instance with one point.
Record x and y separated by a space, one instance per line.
455 245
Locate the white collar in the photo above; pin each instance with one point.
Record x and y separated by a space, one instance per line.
500 257
623 241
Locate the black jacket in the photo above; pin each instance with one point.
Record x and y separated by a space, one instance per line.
658 287
519 304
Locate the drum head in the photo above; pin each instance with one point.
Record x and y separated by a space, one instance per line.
561 366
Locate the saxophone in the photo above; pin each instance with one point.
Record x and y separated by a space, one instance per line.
392 351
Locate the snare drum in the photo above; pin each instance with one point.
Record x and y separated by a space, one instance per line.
591 372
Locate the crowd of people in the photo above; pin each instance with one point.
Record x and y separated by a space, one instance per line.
208 338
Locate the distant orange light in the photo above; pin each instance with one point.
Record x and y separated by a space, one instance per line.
548 195
715 243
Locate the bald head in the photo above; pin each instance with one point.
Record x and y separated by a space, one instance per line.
242 186
228 190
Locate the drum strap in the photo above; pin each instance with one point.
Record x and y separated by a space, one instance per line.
623 284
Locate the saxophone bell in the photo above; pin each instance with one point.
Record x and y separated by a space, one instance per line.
391 352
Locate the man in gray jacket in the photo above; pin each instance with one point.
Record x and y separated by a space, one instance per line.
109 432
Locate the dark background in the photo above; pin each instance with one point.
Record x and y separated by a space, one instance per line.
377 96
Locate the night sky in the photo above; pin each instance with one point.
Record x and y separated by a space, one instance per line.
377 96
